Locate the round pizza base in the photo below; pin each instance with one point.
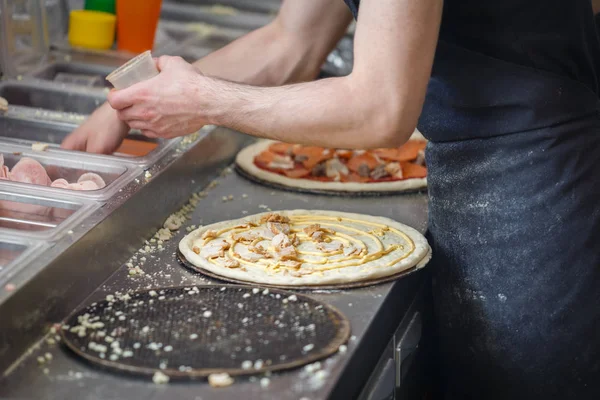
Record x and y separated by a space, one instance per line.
245 164
183 261
332 193
418 258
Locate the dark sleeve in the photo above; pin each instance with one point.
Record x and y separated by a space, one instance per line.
353 4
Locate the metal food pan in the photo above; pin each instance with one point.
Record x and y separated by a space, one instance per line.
168 36
15 254
206 40
210 15
26 128
25 213
259 6
63 52
70 166
51 71
53 97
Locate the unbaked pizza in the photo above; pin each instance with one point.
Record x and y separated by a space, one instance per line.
336 170
306 248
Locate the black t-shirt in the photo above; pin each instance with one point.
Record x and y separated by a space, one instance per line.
558 36
523 63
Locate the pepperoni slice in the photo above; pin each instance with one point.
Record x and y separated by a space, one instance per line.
366 158
281 148
314 155
265 158
297 173
354 177
387 154
407 152
410 170
345 154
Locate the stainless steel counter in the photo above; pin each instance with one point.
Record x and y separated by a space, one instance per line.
49 267
373 312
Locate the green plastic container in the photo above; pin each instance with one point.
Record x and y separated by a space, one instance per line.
108 6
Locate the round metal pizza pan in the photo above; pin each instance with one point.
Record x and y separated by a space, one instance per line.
192 332
342 286
338 193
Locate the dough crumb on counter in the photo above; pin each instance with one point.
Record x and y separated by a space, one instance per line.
220 380
160 378
37 146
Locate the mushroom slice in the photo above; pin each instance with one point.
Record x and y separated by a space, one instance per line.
420 158
334 168
215 249
209 234
282 162
330 247
229 263
394 169
284 247
274 217
278 227
258 249
245 237
379 172
316 232
249 256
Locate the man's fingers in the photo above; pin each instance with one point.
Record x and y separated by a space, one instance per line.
120 99
164 62
150 134
74 141
128 114
100 147
136 113
137 124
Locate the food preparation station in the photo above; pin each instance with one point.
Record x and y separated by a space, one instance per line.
70 248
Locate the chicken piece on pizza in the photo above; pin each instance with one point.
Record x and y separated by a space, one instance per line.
274 217
284 247
317 233
214 249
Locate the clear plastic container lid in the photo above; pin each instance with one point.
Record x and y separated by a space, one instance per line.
136 70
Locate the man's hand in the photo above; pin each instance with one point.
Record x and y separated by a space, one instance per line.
165 106
101 133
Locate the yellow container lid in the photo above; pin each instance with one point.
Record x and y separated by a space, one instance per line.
92 29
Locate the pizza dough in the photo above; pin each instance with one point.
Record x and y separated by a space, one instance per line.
246 161
306 248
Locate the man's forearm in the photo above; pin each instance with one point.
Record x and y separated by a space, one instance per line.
596 6
260 58
378 105
290 49
328 112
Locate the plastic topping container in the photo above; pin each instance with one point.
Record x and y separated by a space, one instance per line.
136 70
136 24
108 6
92 29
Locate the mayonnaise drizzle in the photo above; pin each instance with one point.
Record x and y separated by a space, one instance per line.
318 261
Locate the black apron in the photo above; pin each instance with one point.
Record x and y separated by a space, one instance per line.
514 185
515 231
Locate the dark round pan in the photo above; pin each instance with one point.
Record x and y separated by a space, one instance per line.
245 323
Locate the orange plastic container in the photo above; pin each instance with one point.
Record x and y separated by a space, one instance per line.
136 24
136 148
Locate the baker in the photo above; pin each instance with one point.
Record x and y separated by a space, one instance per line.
511 109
